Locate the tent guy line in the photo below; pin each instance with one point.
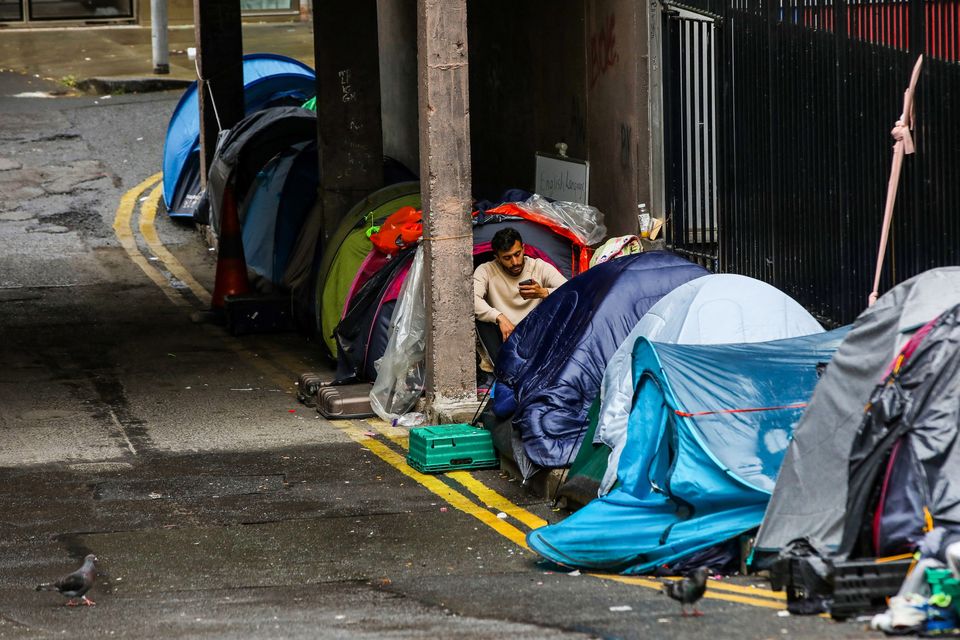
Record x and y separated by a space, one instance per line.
169 267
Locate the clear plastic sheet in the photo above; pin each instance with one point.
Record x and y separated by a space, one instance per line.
400 371
582 219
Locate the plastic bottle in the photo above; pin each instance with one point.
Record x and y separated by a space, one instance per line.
413 419
643 216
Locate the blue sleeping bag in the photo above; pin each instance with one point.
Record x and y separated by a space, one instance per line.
555 359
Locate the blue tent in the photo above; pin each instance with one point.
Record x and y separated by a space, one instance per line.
553 363
276 208
709 427
268 80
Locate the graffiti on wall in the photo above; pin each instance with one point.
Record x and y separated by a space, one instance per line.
625 137
347 92
603 49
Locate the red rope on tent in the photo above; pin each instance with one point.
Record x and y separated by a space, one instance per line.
687 414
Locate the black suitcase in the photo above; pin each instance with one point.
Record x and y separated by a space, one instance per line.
345 401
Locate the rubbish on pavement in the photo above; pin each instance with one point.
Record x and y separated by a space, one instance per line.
412 419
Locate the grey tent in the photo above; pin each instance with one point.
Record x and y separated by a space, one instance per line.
904 461
810 498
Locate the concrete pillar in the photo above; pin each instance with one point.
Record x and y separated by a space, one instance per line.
348 105
220 64
445 180
158 36
398 80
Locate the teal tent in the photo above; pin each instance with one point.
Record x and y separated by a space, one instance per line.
707 432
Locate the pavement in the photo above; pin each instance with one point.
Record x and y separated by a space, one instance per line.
118 59
219 507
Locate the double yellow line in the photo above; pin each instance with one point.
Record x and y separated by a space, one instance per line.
383 440
718 589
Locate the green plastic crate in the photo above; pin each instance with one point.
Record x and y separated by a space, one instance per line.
942 581
449 447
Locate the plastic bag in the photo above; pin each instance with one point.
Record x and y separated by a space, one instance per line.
582 219
400 371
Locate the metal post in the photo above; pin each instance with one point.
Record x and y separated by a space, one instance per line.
158 30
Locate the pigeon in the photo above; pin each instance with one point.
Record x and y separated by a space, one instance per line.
76 584
688 590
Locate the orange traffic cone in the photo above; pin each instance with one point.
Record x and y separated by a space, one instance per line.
231 265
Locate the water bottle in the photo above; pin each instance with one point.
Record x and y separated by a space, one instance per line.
413 419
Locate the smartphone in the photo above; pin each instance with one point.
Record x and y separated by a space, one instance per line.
526 282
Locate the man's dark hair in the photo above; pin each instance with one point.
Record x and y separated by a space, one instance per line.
504 240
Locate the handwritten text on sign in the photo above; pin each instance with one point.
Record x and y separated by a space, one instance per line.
563 178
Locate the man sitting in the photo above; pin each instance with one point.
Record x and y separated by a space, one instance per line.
507 288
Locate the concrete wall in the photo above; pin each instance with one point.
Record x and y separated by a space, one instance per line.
546 71
617 117
397 28
541 72
526 88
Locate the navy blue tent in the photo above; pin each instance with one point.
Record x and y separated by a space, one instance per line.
555 359
708 430
268 80
276 208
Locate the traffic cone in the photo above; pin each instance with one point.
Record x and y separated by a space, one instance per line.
231 265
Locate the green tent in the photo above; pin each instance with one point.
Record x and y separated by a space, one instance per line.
583 479
349 246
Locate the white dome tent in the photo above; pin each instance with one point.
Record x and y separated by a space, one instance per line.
714 309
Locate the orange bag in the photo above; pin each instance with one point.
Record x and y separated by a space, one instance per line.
403 228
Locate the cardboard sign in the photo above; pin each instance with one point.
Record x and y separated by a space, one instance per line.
563 178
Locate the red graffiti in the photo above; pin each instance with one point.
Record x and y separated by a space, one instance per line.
603 50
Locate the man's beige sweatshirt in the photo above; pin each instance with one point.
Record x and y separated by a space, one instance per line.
495 291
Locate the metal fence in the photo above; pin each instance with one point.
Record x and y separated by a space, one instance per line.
783 175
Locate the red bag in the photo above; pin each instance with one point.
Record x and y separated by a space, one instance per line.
402 229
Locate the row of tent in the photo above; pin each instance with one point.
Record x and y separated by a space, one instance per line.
701 407
679 401
346 291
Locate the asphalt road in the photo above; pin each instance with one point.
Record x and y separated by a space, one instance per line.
219 507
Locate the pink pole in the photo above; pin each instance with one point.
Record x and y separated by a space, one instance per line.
902 146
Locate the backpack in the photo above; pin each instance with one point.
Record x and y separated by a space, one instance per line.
403 228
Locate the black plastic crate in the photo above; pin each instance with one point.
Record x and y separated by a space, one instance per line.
844 589
862 587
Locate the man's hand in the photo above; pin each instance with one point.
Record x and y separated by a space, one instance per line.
533 290
506 327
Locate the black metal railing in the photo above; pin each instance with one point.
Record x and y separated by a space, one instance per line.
806 92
